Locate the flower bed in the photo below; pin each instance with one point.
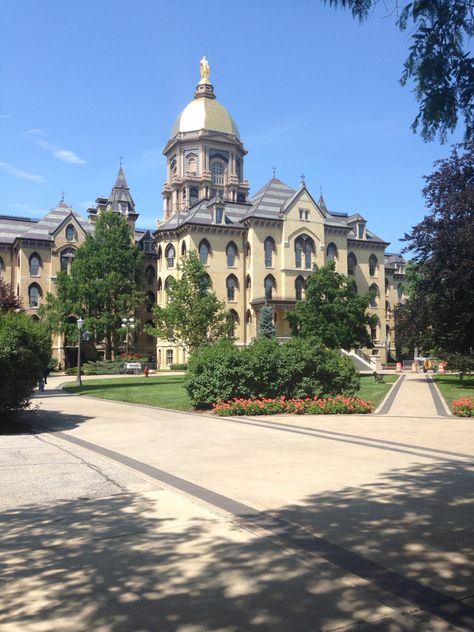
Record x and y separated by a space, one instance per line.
338 405
463 407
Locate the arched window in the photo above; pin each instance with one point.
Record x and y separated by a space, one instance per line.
400 291
353 287
149 301
173 168
234 319
269 285
204 250
35 264
66 259
159 288
170 255
192 165
248 252
34 294
331 252
159 253
169 298
193 196
206 284
270 249
183 248
169 357
248 317
70 233
150 275
2 266
351 263
388 332
373 265
375 329
231 285
374 295
217 171
299 288
304 247
388 310
387 287
248 282
232 253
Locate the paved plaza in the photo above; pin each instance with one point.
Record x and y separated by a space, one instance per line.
118 517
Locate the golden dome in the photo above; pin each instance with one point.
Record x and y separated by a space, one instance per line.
207 114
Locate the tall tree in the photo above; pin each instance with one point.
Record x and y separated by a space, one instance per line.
333 312
443 253
104 284
9 301
266 328
440 61
194 315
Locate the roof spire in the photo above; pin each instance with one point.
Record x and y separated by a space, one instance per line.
274 171
303 180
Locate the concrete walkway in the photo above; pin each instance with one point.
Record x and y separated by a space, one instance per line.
414 395
191 523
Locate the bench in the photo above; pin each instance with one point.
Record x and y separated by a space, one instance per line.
378 378
133 367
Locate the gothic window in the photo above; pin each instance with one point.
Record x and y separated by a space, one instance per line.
351 263
183 248
331 252
2 266
304 247
231 284
270 286
150 275
173 168
35 264
270 249
248 317
375 329
374 295
150 301
373 265
388 310
66 258
299 288
248 252
167 289
387 287
159 253
217 171
70 233
400 291
231 252
206 284
170 255
159 288
248 282
234 319
354 287
169 357
34 294
204 251
238 171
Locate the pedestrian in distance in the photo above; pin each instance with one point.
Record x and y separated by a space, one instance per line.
146 370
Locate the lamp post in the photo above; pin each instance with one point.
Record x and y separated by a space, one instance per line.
80 324
128 323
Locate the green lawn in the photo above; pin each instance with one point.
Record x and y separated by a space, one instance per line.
372 392
167 391
452 388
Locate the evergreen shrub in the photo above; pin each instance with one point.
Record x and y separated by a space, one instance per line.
178 367
299 368
25 351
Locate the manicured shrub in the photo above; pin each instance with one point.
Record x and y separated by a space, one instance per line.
309 406
178 367
25 352
298 368
463 407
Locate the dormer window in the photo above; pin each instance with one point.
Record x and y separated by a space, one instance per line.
360 231
219 215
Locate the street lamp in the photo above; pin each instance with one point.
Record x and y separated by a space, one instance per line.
128 323
80 324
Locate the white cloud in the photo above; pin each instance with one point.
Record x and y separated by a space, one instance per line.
38 136
19 173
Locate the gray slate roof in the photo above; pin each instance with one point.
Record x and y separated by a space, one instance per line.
121 193
11 227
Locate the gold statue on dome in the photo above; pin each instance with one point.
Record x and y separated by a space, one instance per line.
205 70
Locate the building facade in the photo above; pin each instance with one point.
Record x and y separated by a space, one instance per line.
258 250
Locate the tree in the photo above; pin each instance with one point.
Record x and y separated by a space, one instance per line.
25 351
266 328
333 312
104 284
9 301
194 316
439 60
443 253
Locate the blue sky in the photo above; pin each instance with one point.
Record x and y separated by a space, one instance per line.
311 90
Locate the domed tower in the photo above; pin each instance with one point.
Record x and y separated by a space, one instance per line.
205 156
